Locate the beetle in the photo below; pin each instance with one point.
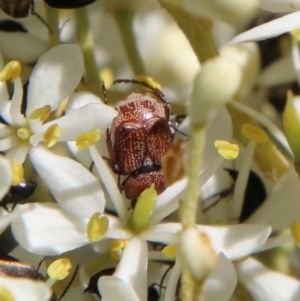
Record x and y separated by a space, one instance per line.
10 266
138 139
21 8
18 193
255 194
92 288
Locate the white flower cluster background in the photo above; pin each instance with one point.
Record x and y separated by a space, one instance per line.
149 150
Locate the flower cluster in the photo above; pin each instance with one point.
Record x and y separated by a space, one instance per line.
209 150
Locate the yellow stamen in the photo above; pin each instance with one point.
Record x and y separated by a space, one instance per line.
117 244
169 251
254 133
88 139
17 172
59 269
11 71
52 135
62 107
295 231
5 294
97 227
24 133
228 151
295 34
41 113
149 81
140 218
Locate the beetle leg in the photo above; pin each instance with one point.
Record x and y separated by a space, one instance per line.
104 92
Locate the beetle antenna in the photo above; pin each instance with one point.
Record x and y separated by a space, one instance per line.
69 284
156 91
163 278
33 12
176 130
40 263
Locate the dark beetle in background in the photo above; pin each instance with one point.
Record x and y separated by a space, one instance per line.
18 193
138 139
21 8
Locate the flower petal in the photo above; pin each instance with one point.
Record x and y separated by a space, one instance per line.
73 186
234 241
22 46
54 77
277 6
264 284
5 176
80 121
46 229
270 29
282 206
221 283
130 275
21 288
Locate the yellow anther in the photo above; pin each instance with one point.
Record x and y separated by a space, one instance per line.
62 107
52 135
140 218
107 76
41 113
59 269
295 34
88 139
169 251
254 133
228 151
5 294
24 133
97 227
149 81
11 71
117 244
295 231
17 172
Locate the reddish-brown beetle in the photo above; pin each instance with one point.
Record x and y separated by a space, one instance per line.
138 139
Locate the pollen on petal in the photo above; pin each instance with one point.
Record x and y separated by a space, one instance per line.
149 81
140 218
169 251
11 71
254 133
59 269
41 113
88 139
5 294
97 227
296 34
24 133
17 172
52 135
117 245
227 150
295 231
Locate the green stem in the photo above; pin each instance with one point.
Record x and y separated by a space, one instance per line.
52 21
198 31
85 39
124 20
189 208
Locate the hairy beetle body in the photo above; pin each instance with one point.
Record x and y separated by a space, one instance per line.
139 138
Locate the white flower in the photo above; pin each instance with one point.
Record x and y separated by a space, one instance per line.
54 77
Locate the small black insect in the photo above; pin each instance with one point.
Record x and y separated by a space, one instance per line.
255 194
21 8
92 288
18 193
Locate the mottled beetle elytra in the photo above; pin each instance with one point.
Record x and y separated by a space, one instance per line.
138 139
